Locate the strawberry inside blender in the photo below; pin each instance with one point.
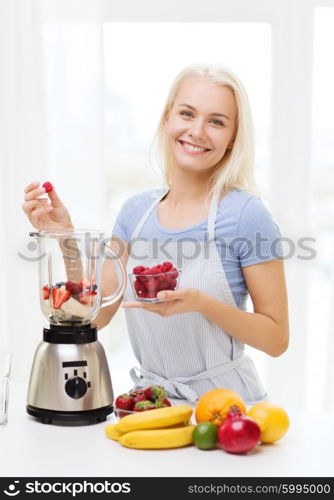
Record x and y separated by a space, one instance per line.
70 300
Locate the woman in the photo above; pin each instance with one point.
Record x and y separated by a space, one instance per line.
209 222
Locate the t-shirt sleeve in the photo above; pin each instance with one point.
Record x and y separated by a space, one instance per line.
121 227
258 236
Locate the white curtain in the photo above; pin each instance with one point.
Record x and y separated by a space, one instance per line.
23 155
51 128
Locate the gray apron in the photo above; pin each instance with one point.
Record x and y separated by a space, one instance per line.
186 353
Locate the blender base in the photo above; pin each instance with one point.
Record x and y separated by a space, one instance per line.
85 417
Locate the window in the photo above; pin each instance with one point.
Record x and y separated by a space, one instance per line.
136 91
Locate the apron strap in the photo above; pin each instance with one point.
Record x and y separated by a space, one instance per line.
147 213
212 217
177 386
172 386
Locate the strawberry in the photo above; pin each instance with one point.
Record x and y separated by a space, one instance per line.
154 392
138 269
46 292
86 297
59 296
47 186
162 403
124 402
137 395
143 405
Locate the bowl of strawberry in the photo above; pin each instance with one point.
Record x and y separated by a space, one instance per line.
147 282
150 398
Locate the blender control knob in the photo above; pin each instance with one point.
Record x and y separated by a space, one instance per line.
76 387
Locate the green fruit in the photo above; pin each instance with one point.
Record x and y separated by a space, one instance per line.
205 435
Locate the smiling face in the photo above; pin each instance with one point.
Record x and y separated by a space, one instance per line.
200 126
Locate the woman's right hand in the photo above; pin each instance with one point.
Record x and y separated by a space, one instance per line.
41 213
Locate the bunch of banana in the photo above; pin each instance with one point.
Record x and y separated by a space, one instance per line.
154 429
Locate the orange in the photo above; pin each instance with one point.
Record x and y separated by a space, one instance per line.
272 419
214 405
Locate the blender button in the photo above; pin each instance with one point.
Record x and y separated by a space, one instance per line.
85 375
66 376
88 384
75 373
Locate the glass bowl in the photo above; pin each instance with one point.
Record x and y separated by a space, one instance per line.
123 413
146 286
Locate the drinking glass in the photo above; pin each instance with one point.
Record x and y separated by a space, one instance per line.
5 363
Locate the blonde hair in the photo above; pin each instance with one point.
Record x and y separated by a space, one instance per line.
235 169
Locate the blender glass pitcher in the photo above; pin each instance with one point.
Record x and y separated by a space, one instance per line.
70 272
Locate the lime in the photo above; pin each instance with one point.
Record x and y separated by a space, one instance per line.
205 435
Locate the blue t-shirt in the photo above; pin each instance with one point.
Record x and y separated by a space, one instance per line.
245 233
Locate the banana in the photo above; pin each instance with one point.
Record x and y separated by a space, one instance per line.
112 433
151 439
153 419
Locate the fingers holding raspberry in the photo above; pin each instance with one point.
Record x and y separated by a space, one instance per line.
53 195
33 193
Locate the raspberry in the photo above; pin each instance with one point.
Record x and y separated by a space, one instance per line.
145 276
139 287
74 287
155 270
151 280
173 275
163 284
47 186
138 269
151 285
172 284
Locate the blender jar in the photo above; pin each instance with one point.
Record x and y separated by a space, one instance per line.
70 271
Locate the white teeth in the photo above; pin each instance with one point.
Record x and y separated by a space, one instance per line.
189 147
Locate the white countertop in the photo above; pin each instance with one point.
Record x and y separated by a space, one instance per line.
32 449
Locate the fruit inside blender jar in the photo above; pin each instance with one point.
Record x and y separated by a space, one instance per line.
70 300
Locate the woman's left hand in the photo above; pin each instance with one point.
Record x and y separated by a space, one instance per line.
174 302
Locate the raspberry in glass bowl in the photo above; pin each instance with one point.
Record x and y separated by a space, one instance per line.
147 282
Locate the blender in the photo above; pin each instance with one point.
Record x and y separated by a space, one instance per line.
70 383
